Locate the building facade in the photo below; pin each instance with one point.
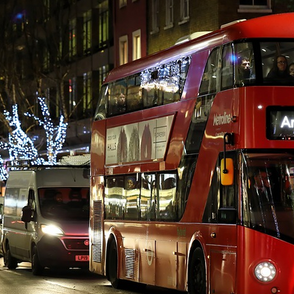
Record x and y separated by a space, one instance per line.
63 49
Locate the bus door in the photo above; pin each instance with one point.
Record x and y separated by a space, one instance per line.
160 249
221 216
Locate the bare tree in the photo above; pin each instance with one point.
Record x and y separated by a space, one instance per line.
33 58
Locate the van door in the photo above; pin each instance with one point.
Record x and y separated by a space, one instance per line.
16 233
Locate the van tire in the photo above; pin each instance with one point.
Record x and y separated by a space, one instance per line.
37 269
112 265
196 274
9 260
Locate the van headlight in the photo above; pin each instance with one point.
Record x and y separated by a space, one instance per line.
52 230
265 271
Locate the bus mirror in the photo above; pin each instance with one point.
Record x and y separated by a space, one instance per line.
227 171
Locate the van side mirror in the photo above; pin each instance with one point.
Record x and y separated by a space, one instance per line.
26 214
227 171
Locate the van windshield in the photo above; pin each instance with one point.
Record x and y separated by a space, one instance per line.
64 203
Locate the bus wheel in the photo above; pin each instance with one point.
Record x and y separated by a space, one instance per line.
37 269
9 261
196 275
112 265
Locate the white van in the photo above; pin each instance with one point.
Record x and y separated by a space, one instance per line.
46 218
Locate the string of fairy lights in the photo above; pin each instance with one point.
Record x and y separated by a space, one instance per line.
21 147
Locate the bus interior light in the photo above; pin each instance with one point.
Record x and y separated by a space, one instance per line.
265 271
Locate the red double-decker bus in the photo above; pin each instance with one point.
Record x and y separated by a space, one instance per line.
192 164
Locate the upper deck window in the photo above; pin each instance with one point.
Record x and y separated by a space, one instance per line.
277 60
245 63
154 86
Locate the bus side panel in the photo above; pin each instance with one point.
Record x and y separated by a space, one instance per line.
98 147
97 245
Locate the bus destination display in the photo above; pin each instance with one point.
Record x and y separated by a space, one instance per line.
280 123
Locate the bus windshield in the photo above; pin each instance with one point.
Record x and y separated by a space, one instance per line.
268 199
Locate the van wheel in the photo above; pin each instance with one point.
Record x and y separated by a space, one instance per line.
9 260
37 269
196 275
112 265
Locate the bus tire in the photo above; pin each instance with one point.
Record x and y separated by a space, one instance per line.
9 260
37 269
112 265
197 275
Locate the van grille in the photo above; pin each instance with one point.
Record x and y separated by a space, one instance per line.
76 244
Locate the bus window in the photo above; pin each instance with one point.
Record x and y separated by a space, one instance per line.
134 93
268 194
167 197
148 196
101 106
270 70
185 175
227 67
211 74
117 97
198 123
132 197
210 213
245 64
114 203
221 204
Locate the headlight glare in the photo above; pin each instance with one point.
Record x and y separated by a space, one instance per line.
51 230
265 271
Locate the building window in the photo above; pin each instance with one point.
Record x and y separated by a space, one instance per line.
122 3
123 50
87 32
103 72
60 47
154 17
103 24
72 38
137 44
263 6
87 91
184 11
46 60
72 95
47 10
169 13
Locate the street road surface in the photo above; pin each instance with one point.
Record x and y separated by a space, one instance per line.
22 281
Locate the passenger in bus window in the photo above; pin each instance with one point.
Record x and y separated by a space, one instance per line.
279 71
244 71
121 103
291 69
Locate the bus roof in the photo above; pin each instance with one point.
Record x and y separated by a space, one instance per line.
270 26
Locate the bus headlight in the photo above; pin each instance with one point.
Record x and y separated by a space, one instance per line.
51 230
265 271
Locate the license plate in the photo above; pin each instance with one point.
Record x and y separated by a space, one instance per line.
82 257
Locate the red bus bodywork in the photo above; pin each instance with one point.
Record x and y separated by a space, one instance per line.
159 253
